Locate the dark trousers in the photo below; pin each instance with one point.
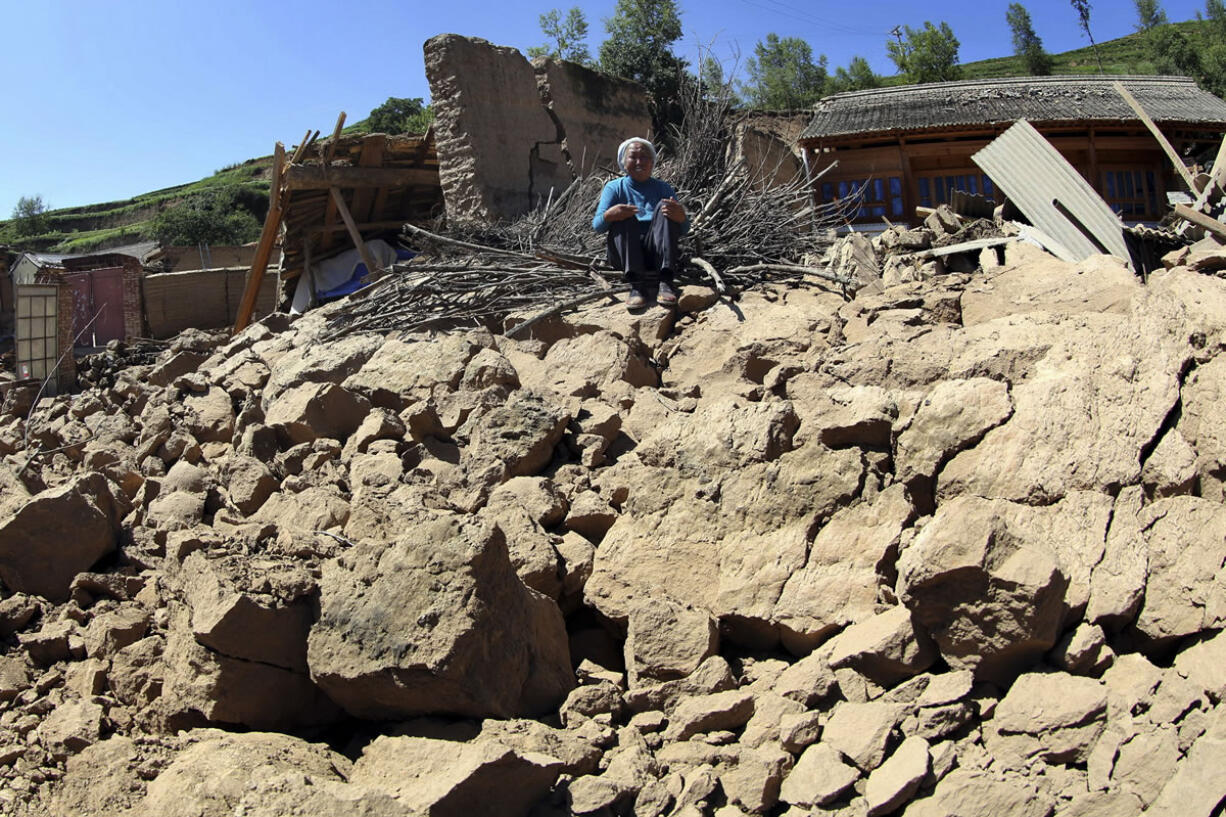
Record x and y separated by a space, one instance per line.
640 250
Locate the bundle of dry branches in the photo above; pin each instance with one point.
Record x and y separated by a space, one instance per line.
743 233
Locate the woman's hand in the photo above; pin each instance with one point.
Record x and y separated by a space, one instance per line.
620 212
672 209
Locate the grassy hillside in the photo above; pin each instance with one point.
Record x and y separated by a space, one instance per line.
1126 55
114 223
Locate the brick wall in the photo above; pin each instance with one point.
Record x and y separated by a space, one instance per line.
66 374
133 309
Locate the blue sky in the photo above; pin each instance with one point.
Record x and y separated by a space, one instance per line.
106 100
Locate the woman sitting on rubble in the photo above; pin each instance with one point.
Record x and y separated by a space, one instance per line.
644 222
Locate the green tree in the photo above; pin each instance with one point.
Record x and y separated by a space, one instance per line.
401 115
857 76
30 217
1150 15
928 54
568 35
640 47
1026 44
220 215
783 75
1213 57
1082 7
712 82
1173 53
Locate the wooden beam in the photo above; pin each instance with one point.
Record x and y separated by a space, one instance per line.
1167 148
314 177
1208 223
370 225
263 251
356 236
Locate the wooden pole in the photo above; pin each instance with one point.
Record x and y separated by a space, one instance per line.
1166 146
356 236
263 251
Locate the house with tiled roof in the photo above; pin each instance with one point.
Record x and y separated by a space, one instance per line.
911 146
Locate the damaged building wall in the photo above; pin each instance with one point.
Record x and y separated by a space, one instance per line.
509 131
767 143
200 299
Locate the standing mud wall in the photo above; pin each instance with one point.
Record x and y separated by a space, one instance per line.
510 131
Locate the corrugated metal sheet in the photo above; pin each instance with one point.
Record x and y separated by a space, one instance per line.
994 102
1051 193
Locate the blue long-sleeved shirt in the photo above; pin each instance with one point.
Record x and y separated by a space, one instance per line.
646 196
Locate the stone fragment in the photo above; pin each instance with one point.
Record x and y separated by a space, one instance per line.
313 410
111 632
465 636
1186 587
1146 762
895 781
447 778
753 782
810 680
516 439
706 713
861 731
1198 787
970 791
589 701
262 774
1084 651
840 582
1204 664
666 640
1055 716
55 535
953 416
886 648
819 777
70 727
713 675
404 371
992 602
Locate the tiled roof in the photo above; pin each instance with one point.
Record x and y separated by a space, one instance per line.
987 102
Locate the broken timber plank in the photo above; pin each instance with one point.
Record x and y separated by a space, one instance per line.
363 250
1052 194
1166 146
1201 220
313 177
1033 235
390 224
325 159
966 246
263 251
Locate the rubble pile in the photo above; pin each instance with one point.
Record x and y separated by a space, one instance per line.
955 546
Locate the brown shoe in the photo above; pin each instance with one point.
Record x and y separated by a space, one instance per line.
667 295
635 300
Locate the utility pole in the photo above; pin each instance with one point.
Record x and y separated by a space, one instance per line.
897 32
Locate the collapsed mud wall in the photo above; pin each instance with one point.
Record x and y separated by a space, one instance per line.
510 131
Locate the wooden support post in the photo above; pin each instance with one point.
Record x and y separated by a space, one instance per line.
910 190
263 251
1170 152
343 209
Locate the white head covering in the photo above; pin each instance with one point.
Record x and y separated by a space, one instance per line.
625 146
